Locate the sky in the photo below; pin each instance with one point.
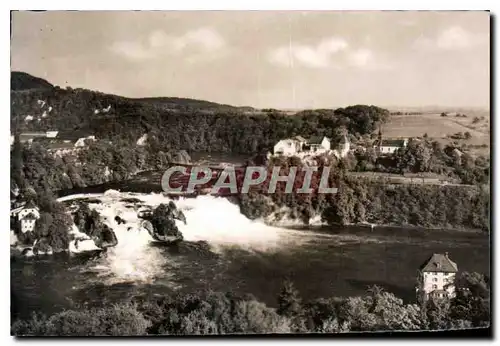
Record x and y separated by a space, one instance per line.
263 59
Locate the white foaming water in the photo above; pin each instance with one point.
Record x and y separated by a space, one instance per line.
219 222
132 259
317 221
82 241
212 219
281 218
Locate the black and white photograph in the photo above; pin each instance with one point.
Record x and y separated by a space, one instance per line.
195 173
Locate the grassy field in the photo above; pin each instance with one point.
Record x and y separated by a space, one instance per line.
440 128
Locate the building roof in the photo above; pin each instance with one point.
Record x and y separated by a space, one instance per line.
315 140
29 216
25 137
393 143
439 263
33 134
60 145
287 140
300 139
73 135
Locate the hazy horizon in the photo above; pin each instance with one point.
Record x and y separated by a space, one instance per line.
263 59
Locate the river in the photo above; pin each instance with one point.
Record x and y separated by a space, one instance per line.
244 256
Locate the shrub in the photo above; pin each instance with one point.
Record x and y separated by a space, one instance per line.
117 320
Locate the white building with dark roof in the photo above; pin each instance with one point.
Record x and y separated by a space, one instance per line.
288 147
300 146
436 278
390 146
82 141
27 217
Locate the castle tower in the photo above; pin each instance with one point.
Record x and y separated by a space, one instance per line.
345 146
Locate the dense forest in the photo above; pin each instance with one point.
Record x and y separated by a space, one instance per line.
425 156
227 313
119 122
176 127
180 124
33 168
361 200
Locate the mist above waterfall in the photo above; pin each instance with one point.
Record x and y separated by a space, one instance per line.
212 219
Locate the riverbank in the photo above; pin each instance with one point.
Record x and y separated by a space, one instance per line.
359 202
321 262
386 229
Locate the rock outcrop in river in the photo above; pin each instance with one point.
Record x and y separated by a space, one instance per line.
161 223
89 222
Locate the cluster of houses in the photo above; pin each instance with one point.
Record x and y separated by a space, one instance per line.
301 147
57 143
46 111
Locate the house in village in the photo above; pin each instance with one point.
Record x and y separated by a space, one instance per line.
436 278
51 134
299 146
67 147
27 217
61 144
288 147
316 145
61 148
142 140
82 141
28 137
390 146
455 153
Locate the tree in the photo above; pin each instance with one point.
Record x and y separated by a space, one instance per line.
289 301
59 231
48 203
437 313
28 193
472 302
116 320
467 135
379 310
17 162
42 225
